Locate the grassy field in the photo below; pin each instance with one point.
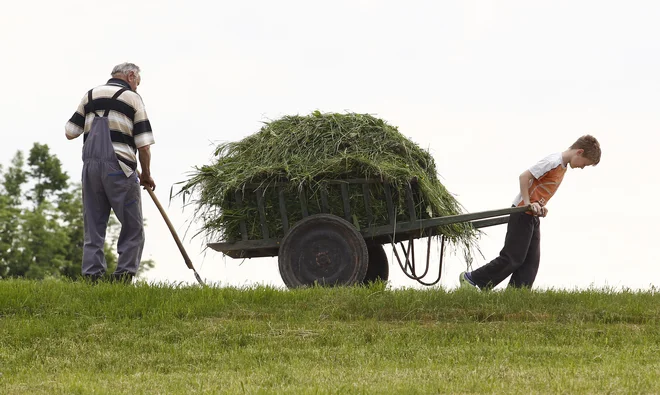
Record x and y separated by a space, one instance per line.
62 337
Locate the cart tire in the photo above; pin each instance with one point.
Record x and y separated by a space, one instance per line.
378 268
323 249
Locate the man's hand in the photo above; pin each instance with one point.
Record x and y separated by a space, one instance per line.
147 181
145 164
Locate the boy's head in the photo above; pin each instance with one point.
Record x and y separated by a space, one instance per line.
586 152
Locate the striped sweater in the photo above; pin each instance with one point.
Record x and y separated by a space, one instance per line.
129 126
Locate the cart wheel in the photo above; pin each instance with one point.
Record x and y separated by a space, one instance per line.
378 268
322 249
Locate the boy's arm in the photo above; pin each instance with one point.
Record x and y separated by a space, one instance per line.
525 179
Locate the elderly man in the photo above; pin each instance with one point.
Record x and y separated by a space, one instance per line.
114 125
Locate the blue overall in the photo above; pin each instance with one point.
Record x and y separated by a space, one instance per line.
105 187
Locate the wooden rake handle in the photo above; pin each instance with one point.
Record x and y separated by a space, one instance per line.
186 258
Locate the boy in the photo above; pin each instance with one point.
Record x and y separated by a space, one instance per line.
520 255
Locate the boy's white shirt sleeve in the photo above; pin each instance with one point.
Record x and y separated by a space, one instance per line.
545 165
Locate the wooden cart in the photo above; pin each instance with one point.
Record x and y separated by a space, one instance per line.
329 249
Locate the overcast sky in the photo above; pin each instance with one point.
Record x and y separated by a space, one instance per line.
489 87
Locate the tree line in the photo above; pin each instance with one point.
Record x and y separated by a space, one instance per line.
41 222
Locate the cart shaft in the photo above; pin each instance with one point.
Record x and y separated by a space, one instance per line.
423 224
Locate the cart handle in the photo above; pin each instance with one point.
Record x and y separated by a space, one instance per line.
423 224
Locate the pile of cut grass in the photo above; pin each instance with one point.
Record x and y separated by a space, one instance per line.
305 153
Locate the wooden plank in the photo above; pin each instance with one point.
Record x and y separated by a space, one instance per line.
390 205
285 219
247 249
303 203
411 203
245 245
325 207
347 202
262 213
241 225
367 203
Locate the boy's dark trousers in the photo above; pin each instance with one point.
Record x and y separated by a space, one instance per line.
519 257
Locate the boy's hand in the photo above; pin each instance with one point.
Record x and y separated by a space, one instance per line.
539 210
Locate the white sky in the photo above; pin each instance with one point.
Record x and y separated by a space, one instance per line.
489 87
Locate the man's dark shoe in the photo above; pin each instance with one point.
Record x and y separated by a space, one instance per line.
123 278
92 278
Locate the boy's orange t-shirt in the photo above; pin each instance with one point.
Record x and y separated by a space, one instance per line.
548 174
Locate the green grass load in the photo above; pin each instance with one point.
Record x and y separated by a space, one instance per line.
304 154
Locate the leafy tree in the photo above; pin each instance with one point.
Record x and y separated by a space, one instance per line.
14 179
6 234
41 223
42 243
70 208
46 171
10 214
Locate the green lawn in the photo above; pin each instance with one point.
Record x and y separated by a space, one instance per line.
63 337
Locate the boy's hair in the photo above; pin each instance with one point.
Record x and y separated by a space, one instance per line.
591 147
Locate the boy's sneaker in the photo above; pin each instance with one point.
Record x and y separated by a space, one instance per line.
466 282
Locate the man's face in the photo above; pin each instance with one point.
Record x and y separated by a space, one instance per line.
133 80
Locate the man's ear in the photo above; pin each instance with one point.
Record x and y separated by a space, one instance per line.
580 151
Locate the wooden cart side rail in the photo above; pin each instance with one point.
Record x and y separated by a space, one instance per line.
260 189
269 247
245 245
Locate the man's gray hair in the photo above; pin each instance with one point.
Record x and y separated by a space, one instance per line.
125 68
